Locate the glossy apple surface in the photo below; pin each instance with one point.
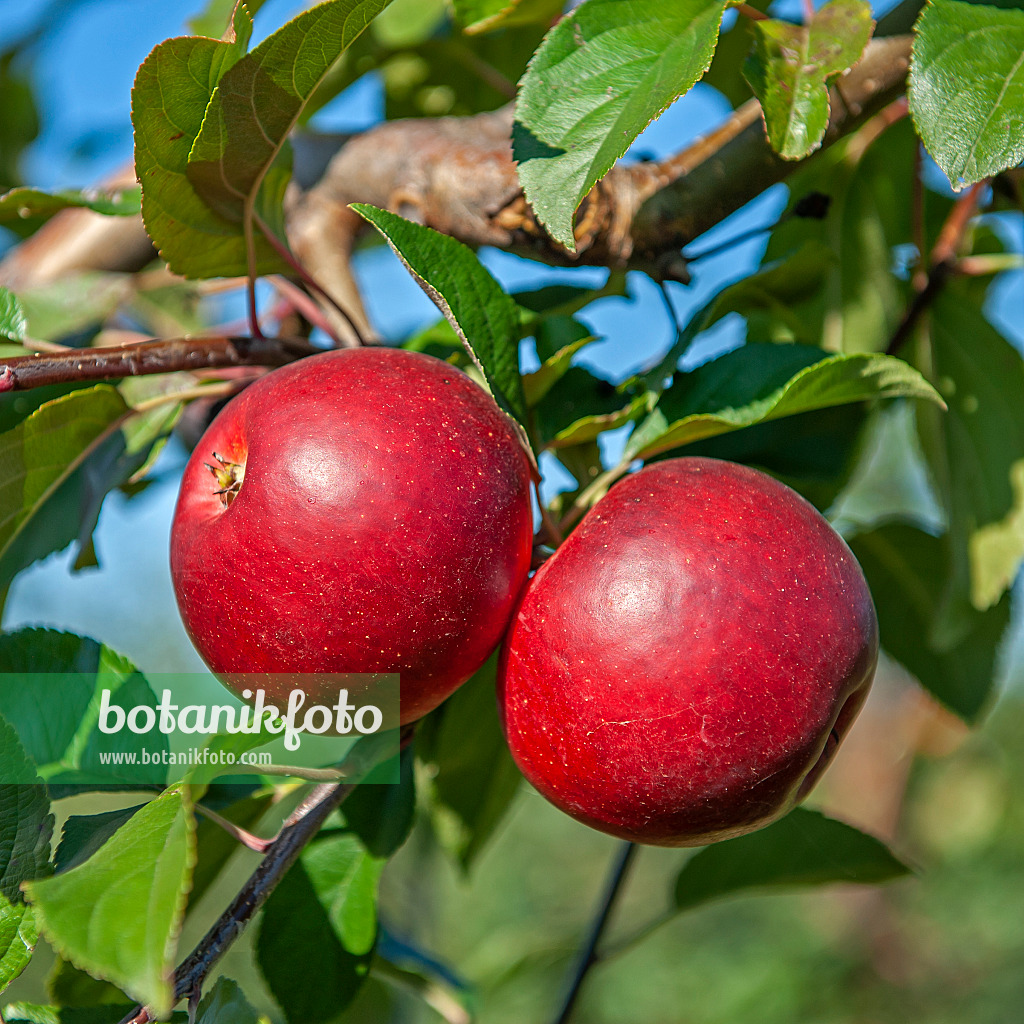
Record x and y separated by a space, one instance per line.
375 518
681 670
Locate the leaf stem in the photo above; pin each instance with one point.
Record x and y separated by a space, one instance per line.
588 952
245 837
304 275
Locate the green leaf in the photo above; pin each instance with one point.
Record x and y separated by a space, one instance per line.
772 291
50 689
58 465
118 914
997 549
172 90
890 482
225 1003
321 923
860 301
563 337
381 814
580 405
25 828
12 317
982 448
83 834
803 848
33 202
489 15
908 572
966 88
758 383
482 315
66 985
602 74
476 777
791 66
257 101
38 455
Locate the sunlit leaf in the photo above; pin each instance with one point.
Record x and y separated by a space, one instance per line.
966 88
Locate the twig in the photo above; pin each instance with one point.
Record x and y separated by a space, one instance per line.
163 356
588 952
941 265
298 830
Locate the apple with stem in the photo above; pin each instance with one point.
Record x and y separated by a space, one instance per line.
360 511
682 669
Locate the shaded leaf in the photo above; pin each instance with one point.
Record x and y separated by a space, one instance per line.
66 985
25 828
225 1003
83 834
908 573
759 382
602 74
118 914
381 814
791 66
321 922
476 776
978 451
580 405
50 690
562 337
860 301
39 454
803 848
966 88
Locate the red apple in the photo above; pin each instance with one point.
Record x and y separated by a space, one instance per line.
364 510
681 670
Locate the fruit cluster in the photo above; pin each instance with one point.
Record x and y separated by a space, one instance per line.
681 670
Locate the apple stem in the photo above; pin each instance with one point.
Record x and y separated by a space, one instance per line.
588 952
246 838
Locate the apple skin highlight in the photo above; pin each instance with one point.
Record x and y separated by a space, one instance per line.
682 669
374 517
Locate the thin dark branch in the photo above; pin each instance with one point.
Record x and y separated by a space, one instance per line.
298 830
942 264
163 356
588 952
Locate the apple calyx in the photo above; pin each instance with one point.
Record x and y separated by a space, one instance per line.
229 476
